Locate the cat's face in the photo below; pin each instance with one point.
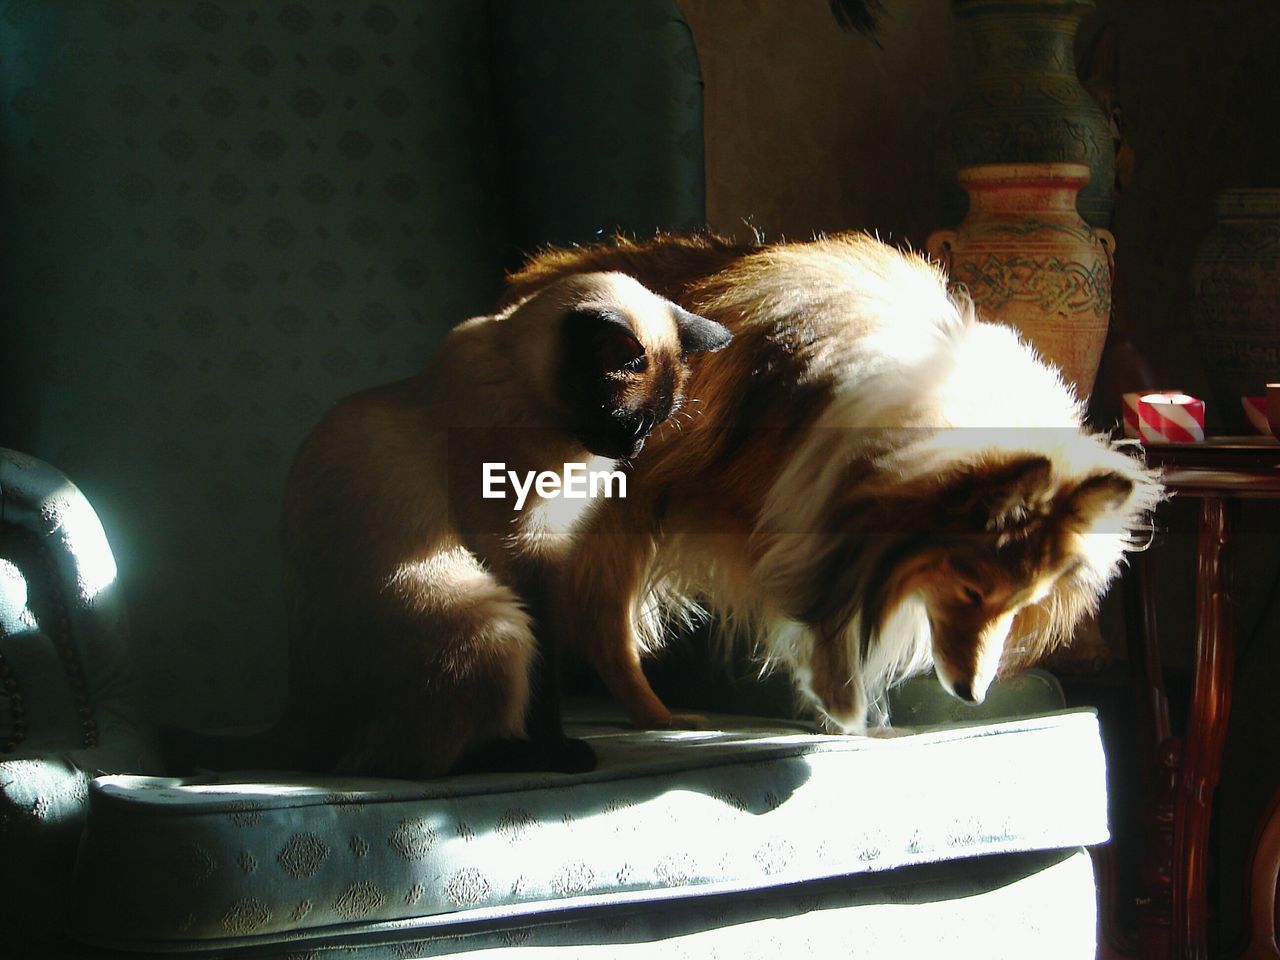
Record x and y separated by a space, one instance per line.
624 363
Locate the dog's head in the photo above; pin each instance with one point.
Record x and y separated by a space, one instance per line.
624 360
1005 555
1021 555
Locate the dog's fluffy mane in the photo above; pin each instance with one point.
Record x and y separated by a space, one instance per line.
894 397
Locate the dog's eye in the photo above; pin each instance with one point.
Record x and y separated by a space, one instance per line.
637 364
972 596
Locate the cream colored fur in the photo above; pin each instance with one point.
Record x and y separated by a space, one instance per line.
411 640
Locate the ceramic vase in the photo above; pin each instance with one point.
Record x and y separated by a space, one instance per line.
1030 261
1235 281
1025 103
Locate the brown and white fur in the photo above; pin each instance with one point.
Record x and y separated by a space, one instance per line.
417 611
875 482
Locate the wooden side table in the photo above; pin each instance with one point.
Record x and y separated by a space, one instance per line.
1174 916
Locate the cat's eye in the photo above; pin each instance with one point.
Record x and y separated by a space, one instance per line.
619 350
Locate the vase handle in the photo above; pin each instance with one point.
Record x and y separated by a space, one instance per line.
1108 241
940 244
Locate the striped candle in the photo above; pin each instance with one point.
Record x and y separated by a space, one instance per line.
1255 408
1130 403
1163 416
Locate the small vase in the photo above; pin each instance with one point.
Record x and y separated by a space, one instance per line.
1030 261
1025 103
1235 281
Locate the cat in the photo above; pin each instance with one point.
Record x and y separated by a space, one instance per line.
877 483
420 631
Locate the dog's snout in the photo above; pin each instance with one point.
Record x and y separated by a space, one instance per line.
969 689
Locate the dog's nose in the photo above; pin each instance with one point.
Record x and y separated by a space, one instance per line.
964 690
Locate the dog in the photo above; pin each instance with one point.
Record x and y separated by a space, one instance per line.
875 483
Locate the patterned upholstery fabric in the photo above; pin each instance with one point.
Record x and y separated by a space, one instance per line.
1004 907
749 805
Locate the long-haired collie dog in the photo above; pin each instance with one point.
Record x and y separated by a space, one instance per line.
869 481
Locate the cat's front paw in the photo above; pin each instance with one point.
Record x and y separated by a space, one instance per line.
688 721
670 721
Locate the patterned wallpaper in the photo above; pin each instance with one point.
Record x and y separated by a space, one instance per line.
219 218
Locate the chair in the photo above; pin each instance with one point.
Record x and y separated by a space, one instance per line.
220 217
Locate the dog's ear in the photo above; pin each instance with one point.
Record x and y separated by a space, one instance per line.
698 334
1097 494
856 577
996 498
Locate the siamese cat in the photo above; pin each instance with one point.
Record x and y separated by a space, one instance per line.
420 624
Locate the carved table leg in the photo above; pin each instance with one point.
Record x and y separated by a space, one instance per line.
1155 929
1206 728
1163 754
1144 649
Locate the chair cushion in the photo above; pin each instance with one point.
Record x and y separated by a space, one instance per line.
748 805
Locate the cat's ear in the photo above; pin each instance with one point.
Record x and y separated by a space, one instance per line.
698 334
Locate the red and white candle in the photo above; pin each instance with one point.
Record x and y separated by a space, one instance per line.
1164 416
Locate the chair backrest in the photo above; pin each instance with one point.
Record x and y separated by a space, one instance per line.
219 217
